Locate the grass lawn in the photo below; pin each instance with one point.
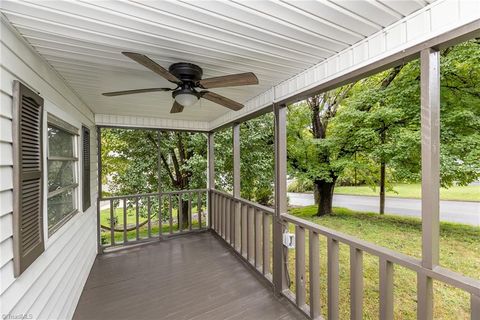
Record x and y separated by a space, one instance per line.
143 231
459 245
131 217
467 193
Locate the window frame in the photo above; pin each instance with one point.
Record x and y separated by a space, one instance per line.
53 121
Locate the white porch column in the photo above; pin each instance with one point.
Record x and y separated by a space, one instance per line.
430 130
279 280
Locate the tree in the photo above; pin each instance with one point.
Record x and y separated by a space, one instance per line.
312 152
460 114
374 129
377 112
392 113
131 162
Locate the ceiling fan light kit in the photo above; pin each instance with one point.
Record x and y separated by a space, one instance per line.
189 74
186 99
188 78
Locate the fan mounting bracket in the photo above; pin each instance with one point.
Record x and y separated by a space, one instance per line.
186 72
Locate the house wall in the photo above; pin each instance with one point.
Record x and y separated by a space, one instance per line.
51 286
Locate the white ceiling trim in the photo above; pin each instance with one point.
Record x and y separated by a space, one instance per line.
150 122
433 20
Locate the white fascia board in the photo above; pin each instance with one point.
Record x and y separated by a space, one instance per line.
150 122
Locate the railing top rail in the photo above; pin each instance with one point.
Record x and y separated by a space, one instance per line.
223 193
184 191
152 194
247 202
439 273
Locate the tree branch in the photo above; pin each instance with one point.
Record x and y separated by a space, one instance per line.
391 76
169 171
162 157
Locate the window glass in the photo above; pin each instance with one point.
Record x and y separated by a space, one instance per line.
59 207
62 178
60 174
60 143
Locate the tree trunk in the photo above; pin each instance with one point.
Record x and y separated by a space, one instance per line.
184 224
382 187
325 190
316 194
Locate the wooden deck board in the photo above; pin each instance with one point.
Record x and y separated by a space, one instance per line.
190 277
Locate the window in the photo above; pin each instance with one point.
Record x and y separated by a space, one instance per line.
62 159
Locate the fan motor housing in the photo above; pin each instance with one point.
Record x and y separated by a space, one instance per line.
186 71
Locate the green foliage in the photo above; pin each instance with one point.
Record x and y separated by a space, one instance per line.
130 161
381 124
300 185
257 156
256 159
379 121
189 150
224 159
460 114
396 111
318 159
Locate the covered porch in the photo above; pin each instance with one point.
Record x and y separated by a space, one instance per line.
228 260
192 276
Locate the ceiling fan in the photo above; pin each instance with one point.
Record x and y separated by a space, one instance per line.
188 78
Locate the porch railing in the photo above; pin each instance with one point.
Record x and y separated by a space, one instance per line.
387 259
130 219
246 227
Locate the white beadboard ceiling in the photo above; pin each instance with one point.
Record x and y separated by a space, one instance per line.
276 40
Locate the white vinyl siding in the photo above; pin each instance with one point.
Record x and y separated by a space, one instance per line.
51 286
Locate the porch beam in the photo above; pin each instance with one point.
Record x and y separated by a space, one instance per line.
430 131
280 118
210 175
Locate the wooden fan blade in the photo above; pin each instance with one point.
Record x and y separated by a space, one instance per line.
176 108
120 93
152 65
233 80
221 100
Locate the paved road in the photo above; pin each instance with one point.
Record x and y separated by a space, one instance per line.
453 211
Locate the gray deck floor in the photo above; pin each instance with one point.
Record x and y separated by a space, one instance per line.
190 277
